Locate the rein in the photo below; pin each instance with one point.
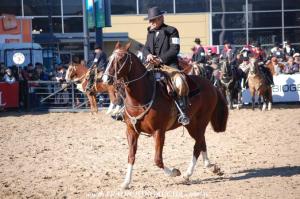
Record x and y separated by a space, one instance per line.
134 119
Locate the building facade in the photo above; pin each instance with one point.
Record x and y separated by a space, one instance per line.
238 21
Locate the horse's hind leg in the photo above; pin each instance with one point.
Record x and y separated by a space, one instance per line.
132 138
199 146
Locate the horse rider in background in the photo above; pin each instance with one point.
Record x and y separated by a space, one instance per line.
198 52
228 53
259 54
161 49
99 64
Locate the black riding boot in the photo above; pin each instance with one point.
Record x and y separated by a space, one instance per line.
182 107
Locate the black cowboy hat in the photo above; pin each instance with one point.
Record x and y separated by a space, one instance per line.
153 13
197 40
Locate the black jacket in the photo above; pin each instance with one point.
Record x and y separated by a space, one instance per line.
166 43
100 60
199 55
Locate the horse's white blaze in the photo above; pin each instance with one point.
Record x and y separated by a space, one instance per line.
178 82
264 106
205 159
106 75
128 176
191 168
110 108
269 106
117 109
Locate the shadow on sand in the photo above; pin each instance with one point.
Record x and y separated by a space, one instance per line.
286 171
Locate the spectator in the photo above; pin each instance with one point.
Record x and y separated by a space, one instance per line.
296 57
198 52
288 50
2 71
228 52
291 67
275 67
258 53
8 77
277 52
40 72
60 74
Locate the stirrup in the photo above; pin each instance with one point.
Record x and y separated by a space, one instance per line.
183 119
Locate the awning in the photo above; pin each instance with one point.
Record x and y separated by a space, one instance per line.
77 37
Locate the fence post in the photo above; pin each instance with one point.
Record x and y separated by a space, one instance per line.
73 97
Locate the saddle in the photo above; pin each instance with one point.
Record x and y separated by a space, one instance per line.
174 80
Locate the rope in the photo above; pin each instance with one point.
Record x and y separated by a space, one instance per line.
135 119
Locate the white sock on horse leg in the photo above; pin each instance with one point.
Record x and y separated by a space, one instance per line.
205 159
117 109
110 108
128 177
191 168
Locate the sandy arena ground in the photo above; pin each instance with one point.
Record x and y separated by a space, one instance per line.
76 155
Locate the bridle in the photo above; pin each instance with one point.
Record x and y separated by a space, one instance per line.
122 65
147 106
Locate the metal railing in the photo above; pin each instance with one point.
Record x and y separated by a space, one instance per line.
60 97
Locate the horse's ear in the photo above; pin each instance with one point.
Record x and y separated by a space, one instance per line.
118 45
128 46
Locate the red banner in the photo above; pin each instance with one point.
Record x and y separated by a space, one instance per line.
9 95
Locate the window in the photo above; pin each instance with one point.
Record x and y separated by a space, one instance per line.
223 21
41 7
123 7
188 6
11 7
72 7
42 25
273 19
292 18
73 24
236 37
264 5
292 34
266 36
292 4
228 5
164 5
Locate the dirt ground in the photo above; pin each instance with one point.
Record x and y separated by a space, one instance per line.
76 155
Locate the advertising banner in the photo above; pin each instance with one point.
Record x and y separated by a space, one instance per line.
286 89
90 13
9 95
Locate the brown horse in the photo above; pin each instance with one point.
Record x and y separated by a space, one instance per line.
258 86
150 111
78 73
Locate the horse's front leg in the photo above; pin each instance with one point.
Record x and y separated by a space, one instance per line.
132 138
159 138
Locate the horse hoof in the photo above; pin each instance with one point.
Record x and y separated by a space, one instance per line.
186 177
125 186
175 172
216 170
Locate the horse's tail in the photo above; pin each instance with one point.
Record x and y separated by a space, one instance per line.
220 114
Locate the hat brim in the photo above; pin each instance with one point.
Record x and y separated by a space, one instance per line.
154 17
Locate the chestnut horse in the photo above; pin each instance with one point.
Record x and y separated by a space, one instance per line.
78 74
258 86
150 111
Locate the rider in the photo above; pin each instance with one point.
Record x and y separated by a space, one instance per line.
198 52
260 55
243 70
99 64
161 49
